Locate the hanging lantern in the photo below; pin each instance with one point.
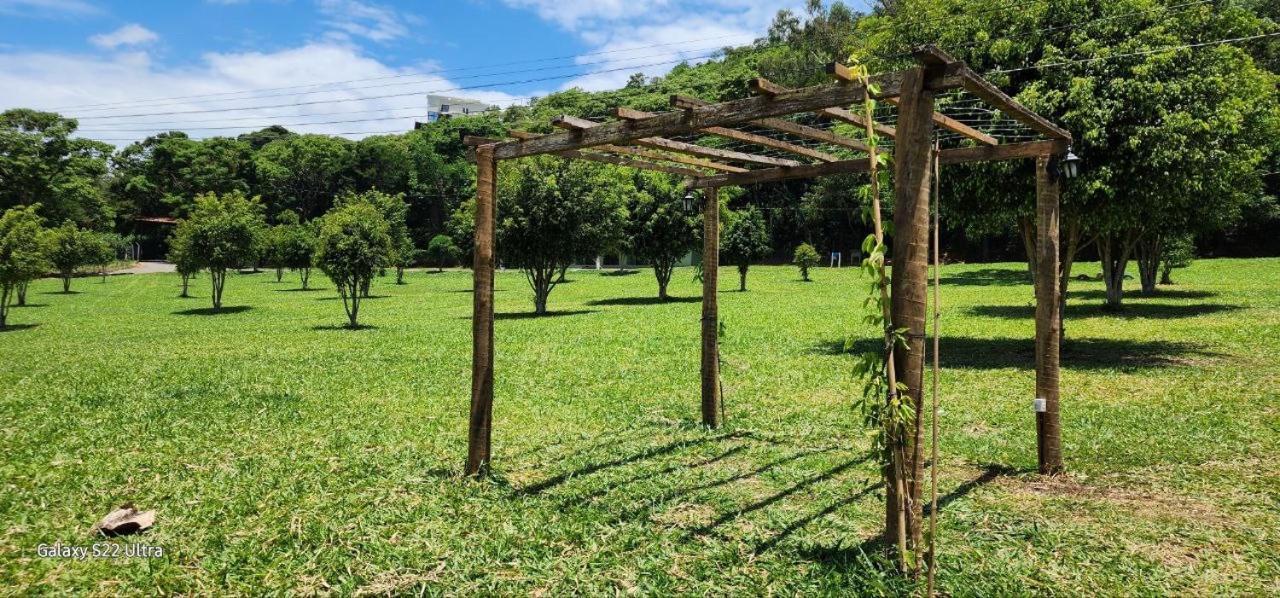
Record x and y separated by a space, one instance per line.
689 203
1070 165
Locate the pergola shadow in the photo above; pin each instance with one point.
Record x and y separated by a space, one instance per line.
1077 353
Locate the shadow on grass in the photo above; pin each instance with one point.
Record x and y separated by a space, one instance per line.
644 301
647 453
798 524
61 292
528 315
17 327
301 290
343 327
1130 311
338 298
990 473
621 272
988 277
29 305
729 516
1161 293
473 290
210 311
1077 353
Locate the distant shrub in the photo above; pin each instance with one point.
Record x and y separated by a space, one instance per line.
68 248
225 232
353 243
806 257
442 250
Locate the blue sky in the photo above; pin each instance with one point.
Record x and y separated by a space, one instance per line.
127 69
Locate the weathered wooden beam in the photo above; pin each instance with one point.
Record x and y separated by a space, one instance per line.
743 136
783 125
728 113
847 116
581 124
710 308
1048 323
992 95
630 163
956 126
648 154
764 86
481 422
964 155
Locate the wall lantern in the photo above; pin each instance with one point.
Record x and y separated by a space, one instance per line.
1070 165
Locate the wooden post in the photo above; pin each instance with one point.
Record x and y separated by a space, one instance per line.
482 316
1048 323
710 308
912 165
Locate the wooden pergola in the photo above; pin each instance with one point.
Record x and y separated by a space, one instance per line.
792 134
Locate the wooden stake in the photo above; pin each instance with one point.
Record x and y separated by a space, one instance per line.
481 424
710 308
933 451
1048 323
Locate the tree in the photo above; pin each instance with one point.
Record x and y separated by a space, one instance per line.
68 248
746 239
552 211
659 230
442 250
183 255
225 233
22 256
806 257
295 246
304 173
40 162
1178 252
353 242
104 249
395 212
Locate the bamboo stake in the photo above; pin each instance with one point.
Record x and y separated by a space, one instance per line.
933 457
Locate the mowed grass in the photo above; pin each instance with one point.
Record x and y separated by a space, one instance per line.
284 453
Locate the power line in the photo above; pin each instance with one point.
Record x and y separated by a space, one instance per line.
402 75
1142 53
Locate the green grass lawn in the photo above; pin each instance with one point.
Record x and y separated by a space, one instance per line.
285 453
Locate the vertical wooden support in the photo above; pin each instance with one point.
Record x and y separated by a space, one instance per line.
912 160
482 316
710 308
1048 322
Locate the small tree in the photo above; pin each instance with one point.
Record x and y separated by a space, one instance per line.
353 243
68 248
806 257
226 233
659 229
183 257
442 250
1178 253
746 239
22 257
297 248
395 212
103 251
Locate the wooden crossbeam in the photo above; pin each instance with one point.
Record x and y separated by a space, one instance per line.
631 114
574 123
992 95
783 125
848 116
843 73
600 156
988 153
722 114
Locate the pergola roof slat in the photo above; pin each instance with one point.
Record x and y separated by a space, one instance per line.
843 73
743 136
992 95
783 125
574 123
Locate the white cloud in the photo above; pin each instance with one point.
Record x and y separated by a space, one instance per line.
195 97
47 8
361 19
132 34
651 36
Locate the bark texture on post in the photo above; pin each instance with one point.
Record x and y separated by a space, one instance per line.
482 316
1048 320
912 162
710 308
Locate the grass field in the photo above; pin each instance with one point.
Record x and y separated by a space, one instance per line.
285 453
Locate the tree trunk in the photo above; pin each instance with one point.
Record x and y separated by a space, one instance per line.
662 271
306 278
742 277
399 274
218 278
66 282
564 269
5 291
1149 249
1070 247
351 305
1027 228
364 286
279 273
1166 273
1114 250
711 406
22 294
804 273
186 281
912 165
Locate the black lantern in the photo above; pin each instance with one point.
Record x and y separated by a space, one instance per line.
1069 165
689 203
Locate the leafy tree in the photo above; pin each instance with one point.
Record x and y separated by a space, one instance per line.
395 212
294 246
1178 252
40 162
353 242
304 173
225 233
806 257
68 248
552 211
104 249
442 250
659 230
746 239
22 257
183 255
260 138
161 175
